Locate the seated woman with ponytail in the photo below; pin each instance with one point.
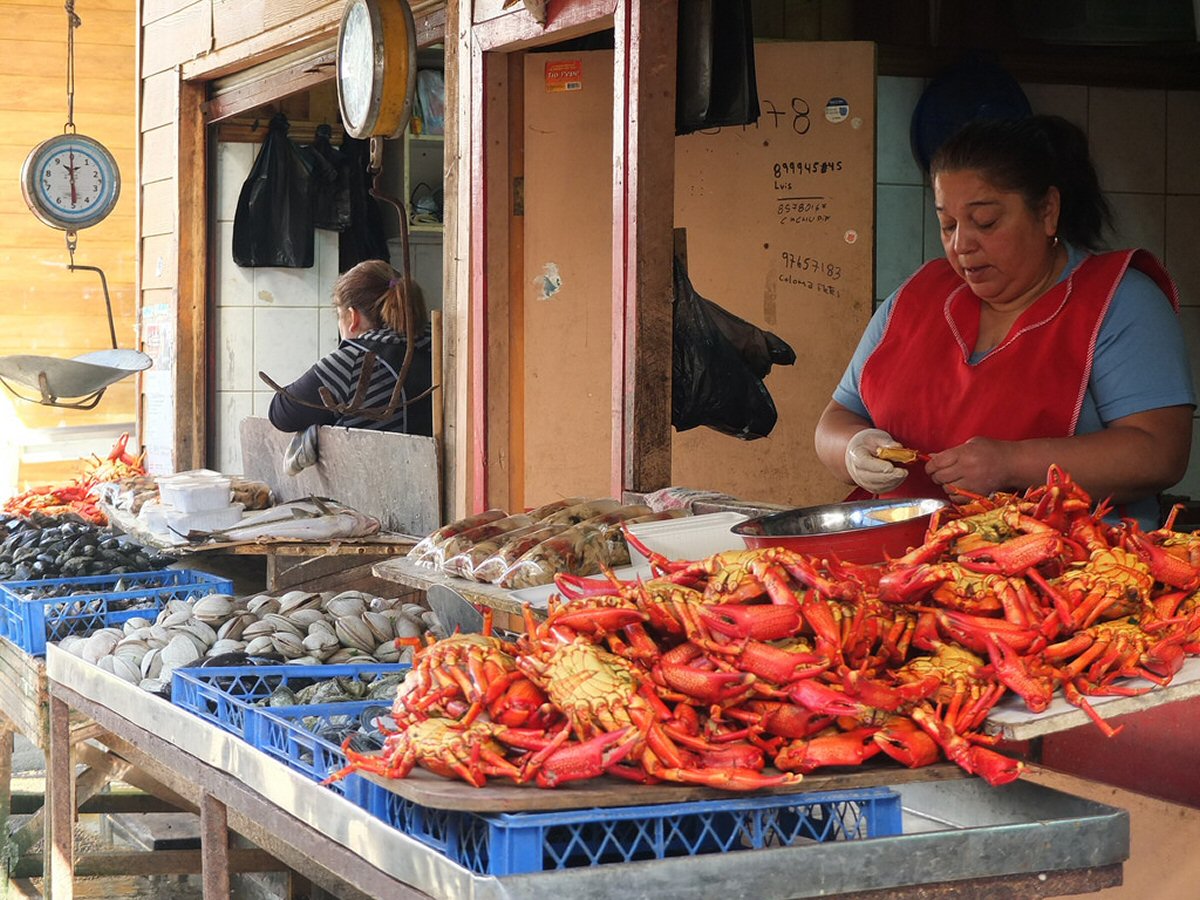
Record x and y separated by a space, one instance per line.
370 301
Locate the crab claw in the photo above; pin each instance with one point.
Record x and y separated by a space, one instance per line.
849 748
1016 555
825 700
992 767
705 685
762 622
571 761
902 740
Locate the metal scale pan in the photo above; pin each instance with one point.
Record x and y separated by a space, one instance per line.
84 376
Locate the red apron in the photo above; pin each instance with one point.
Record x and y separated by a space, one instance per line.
919 387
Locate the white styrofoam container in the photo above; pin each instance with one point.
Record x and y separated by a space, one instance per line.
196 494
153 517
181 522
690 537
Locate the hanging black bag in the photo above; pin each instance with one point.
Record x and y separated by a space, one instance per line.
711 382
365 238
331 182
273 225
715 82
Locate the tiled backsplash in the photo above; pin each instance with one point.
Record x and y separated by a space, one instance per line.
1144 145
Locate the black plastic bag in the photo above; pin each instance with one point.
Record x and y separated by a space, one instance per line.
331 182
273 225
759 349
365 238
712 383
715 81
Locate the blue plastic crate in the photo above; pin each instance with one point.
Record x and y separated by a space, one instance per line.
289 734
82 605
512 843
226 695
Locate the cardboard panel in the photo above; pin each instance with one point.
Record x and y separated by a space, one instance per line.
780 227
568 277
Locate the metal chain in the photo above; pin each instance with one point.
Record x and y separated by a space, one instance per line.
73 22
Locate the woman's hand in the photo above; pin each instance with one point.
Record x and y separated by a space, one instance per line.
979 466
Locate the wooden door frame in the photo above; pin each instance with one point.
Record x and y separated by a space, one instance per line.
643 218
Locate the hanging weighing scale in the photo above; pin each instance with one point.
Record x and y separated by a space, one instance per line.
70 182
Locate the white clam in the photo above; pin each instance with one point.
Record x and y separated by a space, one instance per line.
126 669
180 652
353 632
213 608
261 644
262 604
281 624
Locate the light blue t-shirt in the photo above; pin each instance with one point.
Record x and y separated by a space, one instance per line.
1140 362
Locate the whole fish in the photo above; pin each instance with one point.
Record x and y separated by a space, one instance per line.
312 519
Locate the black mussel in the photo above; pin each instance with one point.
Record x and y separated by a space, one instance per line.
363 742
22 572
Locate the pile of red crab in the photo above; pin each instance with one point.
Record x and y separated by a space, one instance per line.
719 671
76 497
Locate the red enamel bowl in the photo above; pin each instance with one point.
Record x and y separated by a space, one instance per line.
868 531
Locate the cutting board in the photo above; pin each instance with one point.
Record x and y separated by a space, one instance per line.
500 795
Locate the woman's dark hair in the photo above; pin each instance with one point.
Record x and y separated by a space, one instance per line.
379 293
1030 156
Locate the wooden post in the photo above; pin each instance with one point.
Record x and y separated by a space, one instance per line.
643 217
60 791
191 360
6 751
214 847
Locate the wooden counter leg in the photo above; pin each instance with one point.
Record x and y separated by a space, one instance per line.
60 792
214 848
6 752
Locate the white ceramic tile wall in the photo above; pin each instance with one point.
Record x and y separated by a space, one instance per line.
1144 143
231 408
1183 137
273 320
1138 221
1183 238
1115 116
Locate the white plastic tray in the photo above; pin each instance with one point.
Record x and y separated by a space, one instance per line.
539 597
691 537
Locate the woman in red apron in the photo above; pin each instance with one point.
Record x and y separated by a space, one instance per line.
1021 348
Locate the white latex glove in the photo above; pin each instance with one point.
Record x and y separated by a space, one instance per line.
869 471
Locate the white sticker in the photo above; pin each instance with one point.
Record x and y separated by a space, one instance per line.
837 109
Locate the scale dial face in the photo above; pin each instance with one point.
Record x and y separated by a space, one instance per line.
70 181
376 67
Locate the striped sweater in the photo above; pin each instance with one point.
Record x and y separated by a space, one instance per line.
340 372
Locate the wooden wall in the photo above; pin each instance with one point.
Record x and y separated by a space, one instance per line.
48 310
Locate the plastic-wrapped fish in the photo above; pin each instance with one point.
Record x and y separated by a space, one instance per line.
493 567
485 532
464 563
424 550
583 549
548 509
581 512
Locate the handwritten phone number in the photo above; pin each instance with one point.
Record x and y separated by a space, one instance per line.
795 262
807 167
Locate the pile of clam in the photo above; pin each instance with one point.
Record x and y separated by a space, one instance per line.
299 627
